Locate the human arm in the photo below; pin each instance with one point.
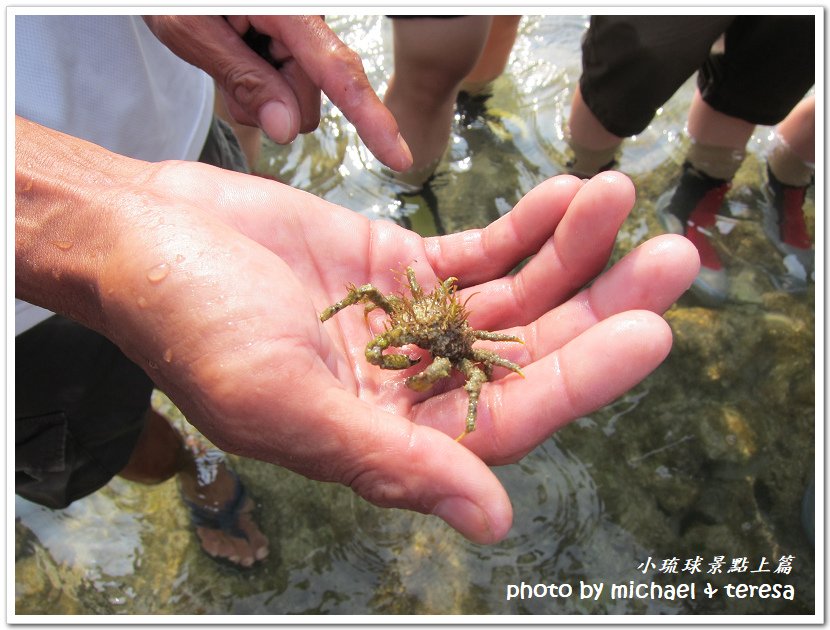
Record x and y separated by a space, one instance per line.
285 101
213 281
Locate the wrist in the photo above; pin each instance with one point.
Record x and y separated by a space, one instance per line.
68 219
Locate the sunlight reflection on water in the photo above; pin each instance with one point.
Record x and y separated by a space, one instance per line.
591 503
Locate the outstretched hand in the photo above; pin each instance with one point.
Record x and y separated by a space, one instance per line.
284 98
213 282
238 344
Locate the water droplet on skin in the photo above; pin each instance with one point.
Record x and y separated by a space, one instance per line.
26 187
168 355
158 273
63 245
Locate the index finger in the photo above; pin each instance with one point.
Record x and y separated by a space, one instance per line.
338 71
568 226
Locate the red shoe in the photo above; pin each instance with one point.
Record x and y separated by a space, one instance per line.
788 203
793 228
701 224
693 212
785 227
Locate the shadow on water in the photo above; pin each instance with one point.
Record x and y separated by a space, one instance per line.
709 457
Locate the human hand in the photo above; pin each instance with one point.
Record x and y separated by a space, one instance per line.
285 101
213 282
273 383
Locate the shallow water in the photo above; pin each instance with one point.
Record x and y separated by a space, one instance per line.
710 456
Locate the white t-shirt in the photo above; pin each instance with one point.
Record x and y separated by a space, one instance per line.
107 79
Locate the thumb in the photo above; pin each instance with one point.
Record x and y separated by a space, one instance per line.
392 462
256 94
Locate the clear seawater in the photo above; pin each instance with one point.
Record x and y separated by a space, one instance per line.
709 457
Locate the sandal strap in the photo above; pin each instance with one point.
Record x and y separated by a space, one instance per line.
225 519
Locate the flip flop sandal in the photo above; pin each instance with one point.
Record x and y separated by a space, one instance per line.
227 518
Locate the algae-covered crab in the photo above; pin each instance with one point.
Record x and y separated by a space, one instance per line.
436 322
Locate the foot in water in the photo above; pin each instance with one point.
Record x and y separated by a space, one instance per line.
221 510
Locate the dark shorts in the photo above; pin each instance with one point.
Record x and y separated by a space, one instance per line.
79 409
222 148
80 403
631 65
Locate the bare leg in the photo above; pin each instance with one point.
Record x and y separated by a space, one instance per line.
792 158
710 127
798 129
432 57
496 53
718 141
594 147
160 453
586 130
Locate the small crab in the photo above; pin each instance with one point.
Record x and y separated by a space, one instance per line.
436 322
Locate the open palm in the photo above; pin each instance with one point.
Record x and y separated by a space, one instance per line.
239 347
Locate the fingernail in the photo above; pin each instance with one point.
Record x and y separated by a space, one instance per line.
275 120
465 516
407 153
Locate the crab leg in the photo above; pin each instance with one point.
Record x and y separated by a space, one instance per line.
414 287
448 285
375 356
491 358
476 377
493 336
438 369
365 293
